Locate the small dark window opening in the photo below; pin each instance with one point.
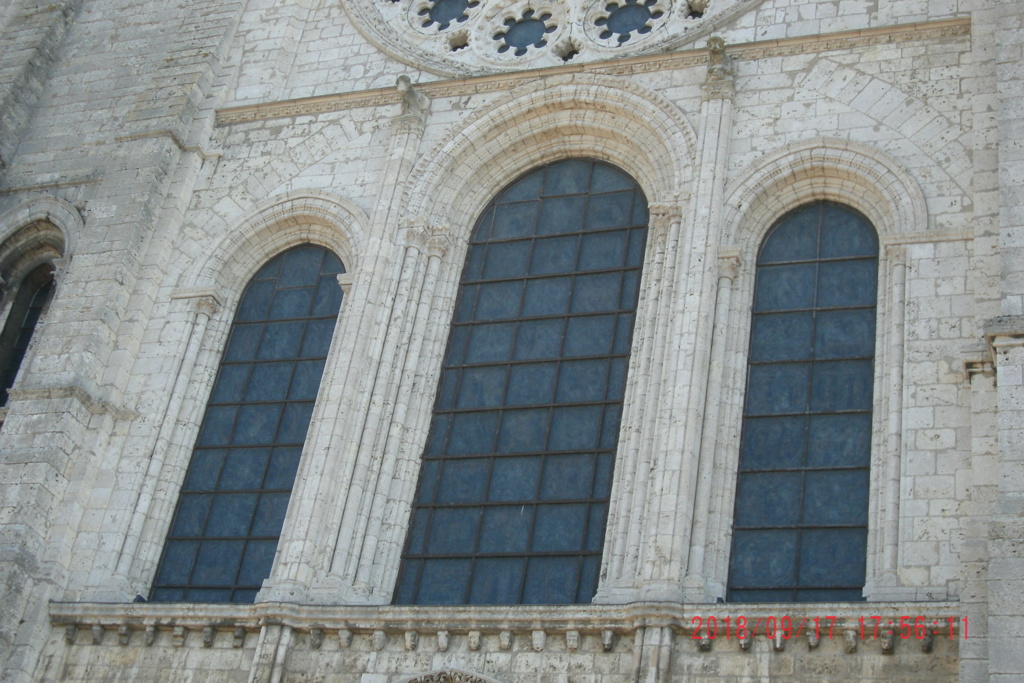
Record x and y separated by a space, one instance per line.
30 300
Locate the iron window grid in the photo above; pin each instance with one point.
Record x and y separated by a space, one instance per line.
799 591
259 538
437 456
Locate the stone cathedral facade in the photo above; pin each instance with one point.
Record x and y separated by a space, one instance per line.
594 341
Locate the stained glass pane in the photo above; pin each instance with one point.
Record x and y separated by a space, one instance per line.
800 520
524 433
258 415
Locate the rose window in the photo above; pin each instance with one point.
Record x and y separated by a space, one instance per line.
527 31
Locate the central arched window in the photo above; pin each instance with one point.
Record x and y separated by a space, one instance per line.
800 525
516 476
224 534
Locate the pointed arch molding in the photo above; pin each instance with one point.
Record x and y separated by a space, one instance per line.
449 676
281 222
602 117
48 209
850 173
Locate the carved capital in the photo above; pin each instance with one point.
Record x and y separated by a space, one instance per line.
428 236
729 265
448 676
207 304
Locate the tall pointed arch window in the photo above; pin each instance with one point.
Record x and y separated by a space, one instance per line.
228 520
514 487
800 524
31 297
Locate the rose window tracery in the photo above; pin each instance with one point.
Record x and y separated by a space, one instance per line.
468 37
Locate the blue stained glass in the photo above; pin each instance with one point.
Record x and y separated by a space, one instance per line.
596 518
515 479
567 477
551 580
768 499
514 220
610 211
595 293
291 303
525 188
270 513
610 428
847 283
295 423
328 296
463 480
257 424
781 336
243 342
772 443
589 336
575 428
271 407
635 253
795 239
230 514
283 464
301 267
190 518
833 557
539 339
559 528
281 340
840 440
845 334
418 530
812 515
842 385
567 177
523 431
256 562
254 304
453 531
559 215
244 469
602 250
582 381
473 433
763 559
203 470
230 383
507 259
553 398
547 296
554 255
217 563
838 497
178 567
506 529
216 429
306 380
318 338
844 234
531 384
490 343
497 580
784 288
777 389
482 387
608 179
589 571
269 381
498 300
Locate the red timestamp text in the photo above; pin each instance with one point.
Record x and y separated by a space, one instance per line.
865 627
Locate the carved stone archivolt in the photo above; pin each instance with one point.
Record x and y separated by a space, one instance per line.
450 676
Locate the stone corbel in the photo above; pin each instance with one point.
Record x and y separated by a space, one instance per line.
979 360
415 107
719 82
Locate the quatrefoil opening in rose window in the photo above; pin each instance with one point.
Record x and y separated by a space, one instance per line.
527 31
627 17
444 12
